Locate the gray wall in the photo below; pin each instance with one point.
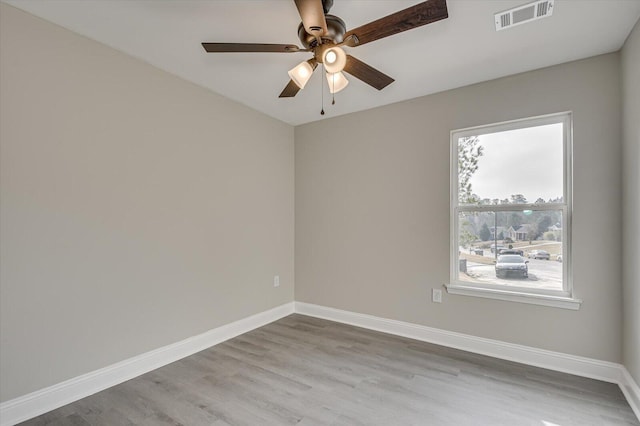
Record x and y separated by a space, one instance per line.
631 201
372 209
136 209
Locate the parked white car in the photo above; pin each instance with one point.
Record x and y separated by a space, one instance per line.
539 254
512 264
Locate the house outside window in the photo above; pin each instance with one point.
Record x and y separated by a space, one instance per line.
511 211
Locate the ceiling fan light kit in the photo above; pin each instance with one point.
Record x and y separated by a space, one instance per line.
337 81
301 73
334 59
323 35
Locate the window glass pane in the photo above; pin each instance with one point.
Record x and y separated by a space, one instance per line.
512 167
515 248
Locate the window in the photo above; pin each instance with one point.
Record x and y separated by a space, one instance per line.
511 211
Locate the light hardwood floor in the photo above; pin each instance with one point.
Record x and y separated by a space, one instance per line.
306 371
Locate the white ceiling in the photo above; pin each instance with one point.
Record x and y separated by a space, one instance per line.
461 50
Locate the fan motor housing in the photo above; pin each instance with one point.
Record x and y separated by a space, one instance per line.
335 32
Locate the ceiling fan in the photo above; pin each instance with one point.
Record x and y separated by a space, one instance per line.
323 35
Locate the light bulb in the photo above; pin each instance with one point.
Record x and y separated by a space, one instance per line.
331 57
304 72
334 59
337 82
301 74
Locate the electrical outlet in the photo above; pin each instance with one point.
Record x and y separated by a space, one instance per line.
276 281
436 295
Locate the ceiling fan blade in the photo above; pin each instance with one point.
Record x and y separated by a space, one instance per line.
292 89
312 14
251 47
407 19
367 73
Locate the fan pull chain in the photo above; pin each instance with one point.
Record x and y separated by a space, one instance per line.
322 89
333 89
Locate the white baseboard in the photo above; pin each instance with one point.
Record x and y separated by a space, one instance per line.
572 364
631 391
52 397
586 367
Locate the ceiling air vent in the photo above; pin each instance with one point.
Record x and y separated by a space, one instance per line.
523 14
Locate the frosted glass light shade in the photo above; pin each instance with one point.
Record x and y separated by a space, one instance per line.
337 81
301 74
334 59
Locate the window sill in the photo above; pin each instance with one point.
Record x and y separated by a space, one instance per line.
511 296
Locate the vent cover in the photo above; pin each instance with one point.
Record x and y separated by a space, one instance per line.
523 14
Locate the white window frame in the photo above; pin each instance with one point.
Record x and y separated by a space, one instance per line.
564 298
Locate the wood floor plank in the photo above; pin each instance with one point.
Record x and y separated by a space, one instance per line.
307 371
